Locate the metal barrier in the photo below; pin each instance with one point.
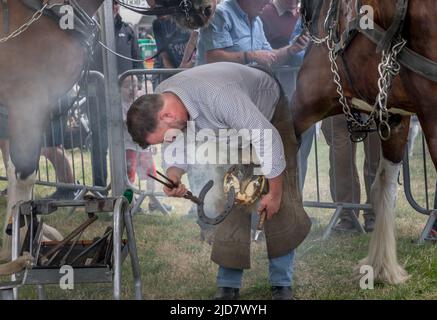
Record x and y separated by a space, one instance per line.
317 198
423 202
68 142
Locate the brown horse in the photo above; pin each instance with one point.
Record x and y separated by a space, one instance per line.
413 90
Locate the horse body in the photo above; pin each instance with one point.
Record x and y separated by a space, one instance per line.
36 69
316 98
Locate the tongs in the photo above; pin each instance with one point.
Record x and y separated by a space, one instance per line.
171 185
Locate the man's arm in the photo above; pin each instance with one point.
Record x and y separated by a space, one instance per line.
190 48
262 57
174 163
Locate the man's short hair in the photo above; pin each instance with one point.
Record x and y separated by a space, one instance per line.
142 117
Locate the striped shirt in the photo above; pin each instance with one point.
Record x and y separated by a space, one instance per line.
227 95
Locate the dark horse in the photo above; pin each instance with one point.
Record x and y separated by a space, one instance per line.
356 50
39 66
191 14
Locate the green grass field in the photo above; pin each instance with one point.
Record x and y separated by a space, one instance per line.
175 264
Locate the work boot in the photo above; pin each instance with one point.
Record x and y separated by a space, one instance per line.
345 226
282 293
225 293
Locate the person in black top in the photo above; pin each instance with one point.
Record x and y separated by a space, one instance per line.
126 43
171 42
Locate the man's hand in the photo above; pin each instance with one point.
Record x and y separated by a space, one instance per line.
300 43
263 57
271 203
175 175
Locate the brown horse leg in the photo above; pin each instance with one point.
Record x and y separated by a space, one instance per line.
315 97
429 127
382 250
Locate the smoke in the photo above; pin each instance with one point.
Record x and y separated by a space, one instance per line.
215 199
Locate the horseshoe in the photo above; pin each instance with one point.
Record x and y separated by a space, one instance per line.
228 208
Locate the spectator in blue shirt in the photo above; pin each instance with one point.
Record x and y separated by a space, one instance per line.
236 34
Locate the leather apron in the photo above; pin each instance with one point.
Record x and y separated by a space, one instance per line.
287 229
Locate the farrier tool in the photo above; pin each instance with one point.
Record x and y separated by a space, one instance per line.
260 227
199 201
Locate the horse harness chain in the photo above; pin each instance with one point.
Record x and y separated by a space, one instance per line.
186 6
388 69
85 26
35 17
391 45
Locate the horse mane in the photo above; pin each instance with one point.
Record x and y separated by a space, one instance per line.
310 13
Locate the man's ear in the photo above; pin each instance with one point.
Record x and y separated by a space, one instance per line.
166 117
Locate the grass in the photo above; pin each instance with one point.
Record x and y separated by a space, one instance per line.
176 265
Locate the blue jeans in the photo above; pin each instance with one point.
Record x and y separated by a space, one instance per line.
280 273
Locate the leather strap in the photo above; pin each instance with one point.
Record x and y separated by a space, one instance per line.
84 26
5 11
396 26
408 58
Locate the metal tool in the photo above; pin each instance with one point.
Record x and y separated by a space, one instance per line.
200 200
45 258
260 227
171 185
